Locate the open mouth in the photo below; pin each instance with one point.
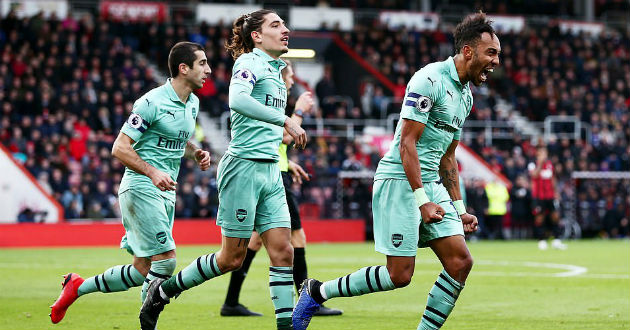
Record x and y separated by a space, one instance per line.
484 74
285 40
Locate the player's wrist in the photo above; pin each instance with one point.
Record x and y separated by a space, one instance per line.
287 120
298 112
460 207
421 196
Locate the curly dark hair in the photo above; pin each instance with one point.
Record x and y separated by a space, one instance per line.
241 40
469 31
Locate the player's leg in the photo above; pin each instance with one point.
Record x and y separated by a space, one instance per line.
117 278
298 237
143 238
207 267
162 266
237 206
202 269
554 219
539 224
298 241
163 261
232 307
446 239
273 222
277 243
457 263
114 279
396 220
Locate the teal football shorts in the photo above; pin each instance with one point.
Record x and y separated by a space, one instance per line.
251 197
398 229
148 221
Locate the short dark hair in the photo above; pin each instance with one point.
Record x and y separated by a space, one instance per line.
469 31
182 52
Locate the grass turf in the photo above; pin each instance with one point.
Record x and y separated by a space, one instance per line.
513 286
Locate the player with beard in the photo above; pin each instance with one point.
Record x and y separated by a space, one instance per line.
417 200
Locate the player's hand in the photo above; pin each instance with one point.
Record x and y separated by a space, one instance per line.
202 158
431 212
298 173
162 180
297 133
470 223
305 102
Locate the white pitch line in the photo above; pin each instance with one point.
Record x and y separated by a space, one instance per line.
571 270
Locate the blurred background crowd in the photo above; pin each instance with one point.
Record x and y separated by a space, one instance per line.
67 85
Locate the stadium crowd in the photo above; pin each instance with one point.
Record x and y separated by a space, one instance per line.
544 72
67 86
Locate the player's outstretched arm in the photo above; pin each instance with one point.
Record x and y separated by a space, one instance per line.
410 133
450 179
124 151
201 157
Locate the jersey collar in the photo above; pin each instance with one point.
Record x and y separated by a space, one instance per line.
276 63
452 70
171 91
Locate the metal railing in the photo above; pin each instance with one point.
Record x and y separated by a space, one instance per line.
555 127
491 130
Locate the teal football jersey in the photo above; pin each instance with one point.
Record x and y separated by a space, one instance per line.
161 125
436 98
260 74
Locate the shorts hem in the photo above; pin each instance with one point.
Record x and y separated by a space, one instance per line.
236 233
150 253
425 244
263 228
397 253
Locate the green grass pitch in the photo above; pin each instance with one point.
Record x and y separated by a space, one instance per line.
513 286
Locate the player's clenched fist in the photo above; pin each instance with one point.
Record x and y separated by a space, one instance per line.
162 180
203 159
305 102
431 212
470 223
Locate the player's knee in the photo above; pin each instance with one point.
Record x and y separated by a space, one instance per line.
459 267
467 264
142 265
231 265
400 278
255 244
282 255
228 262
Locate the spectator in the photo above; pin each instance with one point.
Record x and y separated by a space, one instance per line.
521 208
498 197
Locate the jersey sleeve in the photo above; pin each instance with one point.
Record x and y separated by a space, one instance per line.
420 96
142 116
246 72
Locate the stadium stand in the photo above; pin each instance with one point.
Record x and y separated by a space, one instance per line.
67 86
